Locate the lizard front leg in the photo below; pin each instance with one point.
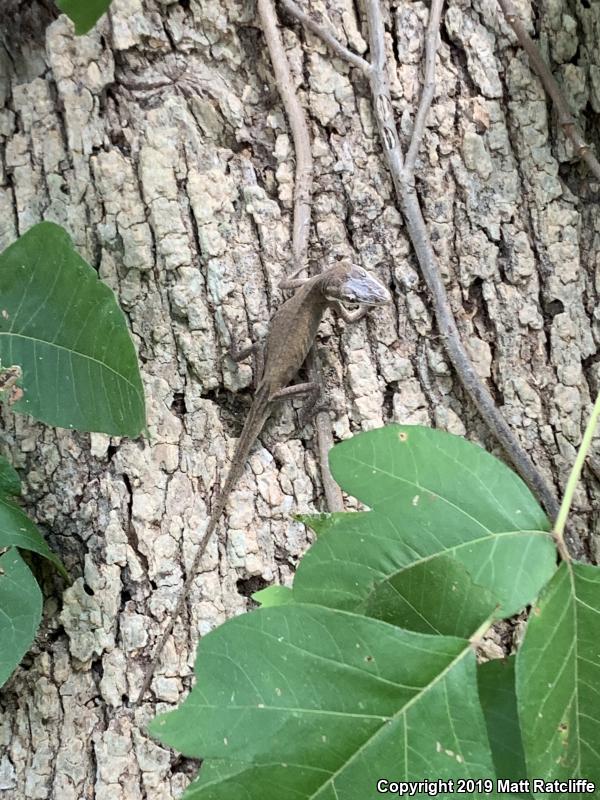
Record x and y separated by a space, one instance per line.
350 316
291 281
256 350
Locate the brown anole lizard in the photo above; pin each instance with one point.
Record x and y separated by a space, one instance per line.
292 331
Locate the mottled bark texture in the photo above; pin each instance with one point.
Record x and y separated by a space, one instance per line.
159 142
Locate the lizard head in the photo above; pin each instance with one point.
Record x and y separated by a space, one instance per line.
350 284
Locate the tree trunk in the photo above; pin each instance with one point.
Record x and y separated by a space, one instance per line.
160 143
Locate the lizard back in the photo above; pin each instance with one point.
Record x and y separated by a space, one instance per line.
291 335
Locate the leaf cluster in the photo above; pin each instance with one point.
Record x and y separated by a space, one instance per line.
366 668
64 336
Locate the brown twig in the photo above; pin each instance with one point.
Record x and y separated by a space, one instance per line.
301 220
565 118
431 45
327 36
402 172
299 128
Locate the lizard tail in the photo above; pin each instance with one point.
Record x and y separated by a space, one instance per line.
257 416
255 421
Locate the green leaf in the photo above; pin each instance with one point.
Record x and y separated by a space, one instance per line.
84 13
17 530
558 678
432 494
435 596
10 483
322 522
307 702
274 596
496 680
20 611
64 328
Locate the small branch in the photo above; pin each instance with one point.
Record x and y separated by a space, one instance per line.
586 442
301 221
327 36
322 422
477 637
565 118
383 109
431 45
299 128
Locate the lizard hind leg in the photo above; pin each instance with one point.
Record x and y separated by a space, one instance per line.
313 393
313 406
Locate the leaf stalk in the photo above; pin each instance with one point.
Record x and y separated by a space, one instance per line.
565 506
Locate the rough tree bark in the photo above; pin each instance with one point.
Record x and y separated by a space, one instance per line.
159 142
